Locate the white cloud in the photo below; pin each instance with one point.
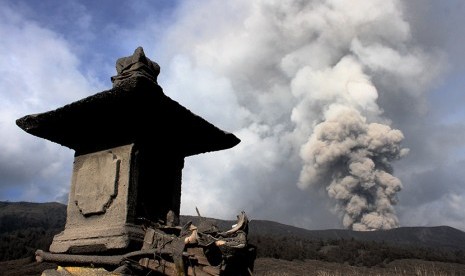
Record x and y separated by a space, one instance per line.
38 72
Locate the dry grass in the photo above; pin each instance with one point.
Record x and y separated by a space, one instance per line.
24 267
273 267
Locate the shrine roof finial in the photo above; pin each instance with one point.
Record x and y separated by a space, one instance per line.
136 65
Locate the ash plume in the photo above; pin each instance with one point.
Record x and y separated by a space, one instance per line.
352 157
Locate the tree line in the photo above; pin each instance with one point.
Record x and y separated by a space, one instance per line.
348 251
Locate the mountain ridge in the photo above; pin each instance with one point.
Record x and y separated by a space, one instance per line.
425 236
56 216
51 216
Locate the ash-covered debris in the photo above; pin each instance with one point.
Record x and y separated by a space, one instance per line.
201 249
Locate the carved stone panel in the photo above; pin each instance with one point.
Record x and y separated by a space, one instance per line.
96 182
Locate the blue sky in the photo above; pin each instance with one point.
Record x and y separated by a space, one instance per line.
268 71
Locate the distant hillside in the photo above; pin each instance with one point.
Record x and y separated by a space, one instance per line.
430 237
25 227
20 215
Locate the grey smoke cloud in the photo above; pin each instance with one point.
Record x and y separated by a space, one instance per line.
352 160
305 71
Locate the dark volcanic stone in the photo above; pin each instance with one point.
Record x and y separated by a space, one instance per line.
135 111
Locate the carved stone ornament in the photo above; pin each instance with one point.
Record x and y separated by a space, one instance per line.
96 182
136 65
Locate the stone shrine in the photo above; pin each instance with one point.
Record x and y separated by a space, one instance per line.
130 143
